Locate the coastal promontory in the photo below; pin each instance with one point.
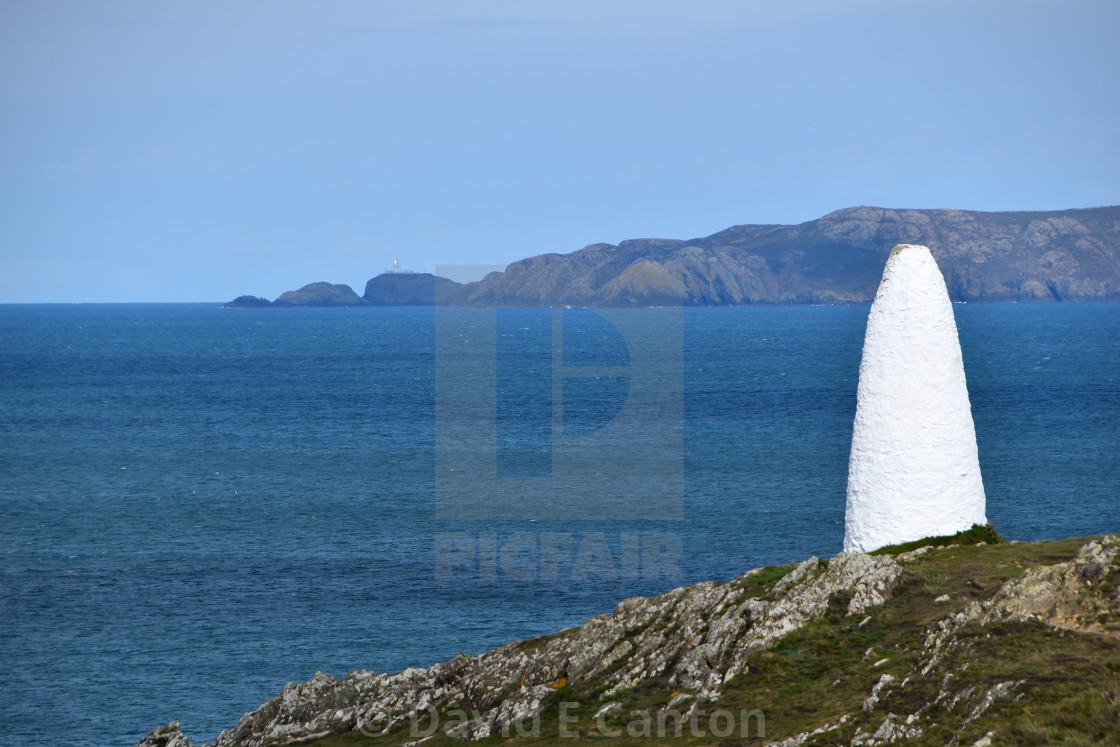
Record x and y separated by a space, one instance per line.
963 640
1063 255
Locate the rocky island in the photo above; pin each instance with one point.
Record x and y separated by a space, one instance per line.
965 640
1066 255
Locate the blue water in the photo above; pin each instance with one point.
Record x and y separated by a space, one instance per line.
199 505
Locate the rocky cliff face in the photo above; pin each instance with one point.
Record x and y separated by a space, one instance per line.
952 645
1071 255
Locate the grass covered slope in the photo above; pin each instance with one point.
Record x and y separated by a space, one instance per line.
1014 643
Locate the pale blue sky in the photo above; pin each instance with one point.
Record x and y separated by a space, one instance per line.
194 151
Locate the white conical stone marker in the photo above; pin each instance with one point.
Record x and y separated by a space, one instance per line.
913 470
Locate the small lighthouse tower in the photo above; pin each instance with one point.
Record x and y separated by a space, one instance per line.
913 470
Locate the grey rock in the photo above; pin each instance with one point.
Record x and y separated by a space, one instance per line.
165 736
873 699
994 693
1051 593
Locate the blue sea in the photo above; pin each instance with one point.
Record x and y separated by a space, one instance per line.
202 504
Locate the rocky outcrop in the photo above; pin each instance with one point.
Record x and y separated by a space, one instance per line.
166 736
698 637
321 294
1058 595
1052 593
247 302
699 641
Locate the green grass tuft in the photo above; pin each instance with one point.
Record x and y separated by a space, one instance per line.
976 534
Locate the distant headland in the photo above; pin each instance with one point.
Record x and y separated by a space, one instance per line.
1064 255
